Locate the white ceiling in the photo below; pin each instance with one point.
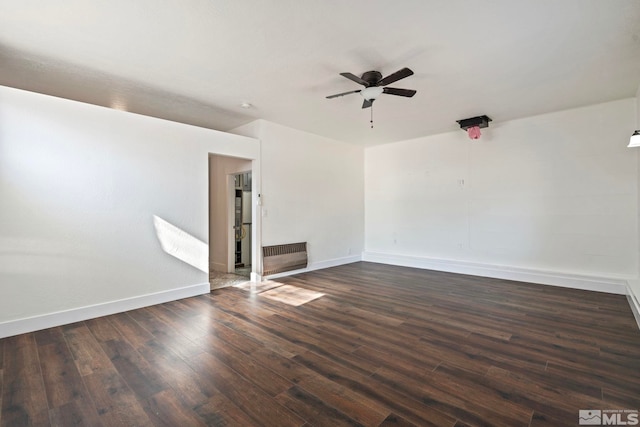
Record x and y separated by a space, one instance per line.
196 61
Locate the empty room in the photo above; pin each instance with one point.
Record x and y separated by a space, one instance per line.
319 213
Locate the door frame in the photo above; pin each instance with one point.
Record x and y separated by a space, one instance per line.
256 215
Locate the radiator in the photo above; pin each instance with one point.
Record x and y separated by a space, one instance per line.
281 258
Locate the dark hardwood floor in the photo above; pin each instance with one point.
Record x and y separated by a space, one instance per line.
384 346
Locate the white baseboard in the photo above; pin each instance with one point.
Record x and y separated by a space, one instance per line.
634 303
50 320
317 266
611 285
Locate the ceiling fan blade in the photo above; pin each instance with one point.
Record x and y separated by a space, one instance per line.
355 78
400 92
343 94
367 103
398 75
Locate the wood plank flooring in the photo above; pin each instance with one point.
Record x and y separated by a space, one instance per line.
384 346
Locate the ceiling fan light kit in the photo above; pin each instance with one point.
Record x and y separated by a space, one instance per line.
634 141
371 93
473 125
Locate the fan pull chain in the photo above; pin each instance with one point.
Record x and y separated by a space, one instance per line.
371 116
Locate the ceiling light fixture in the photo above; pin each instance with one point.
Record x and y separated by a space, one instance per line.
246 105
371 93
634 141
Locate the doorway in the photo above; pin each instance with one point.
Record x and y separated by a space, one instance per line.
233 227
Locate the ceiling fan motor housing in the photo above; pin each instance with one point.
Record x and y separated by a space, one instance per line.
372 77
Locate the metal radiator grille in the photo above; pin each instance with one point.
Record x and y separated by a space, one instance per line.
281 258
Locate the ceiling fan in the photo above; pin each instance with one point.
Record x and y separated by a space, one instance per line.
373 85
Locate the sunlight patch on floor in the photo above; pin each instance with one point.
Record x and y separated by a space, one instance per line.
291 295
275 291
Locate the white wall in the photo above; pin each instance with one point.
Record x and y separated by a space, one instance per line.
312 190
79 188
80 185
637 151
554 193
634 285
220 167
